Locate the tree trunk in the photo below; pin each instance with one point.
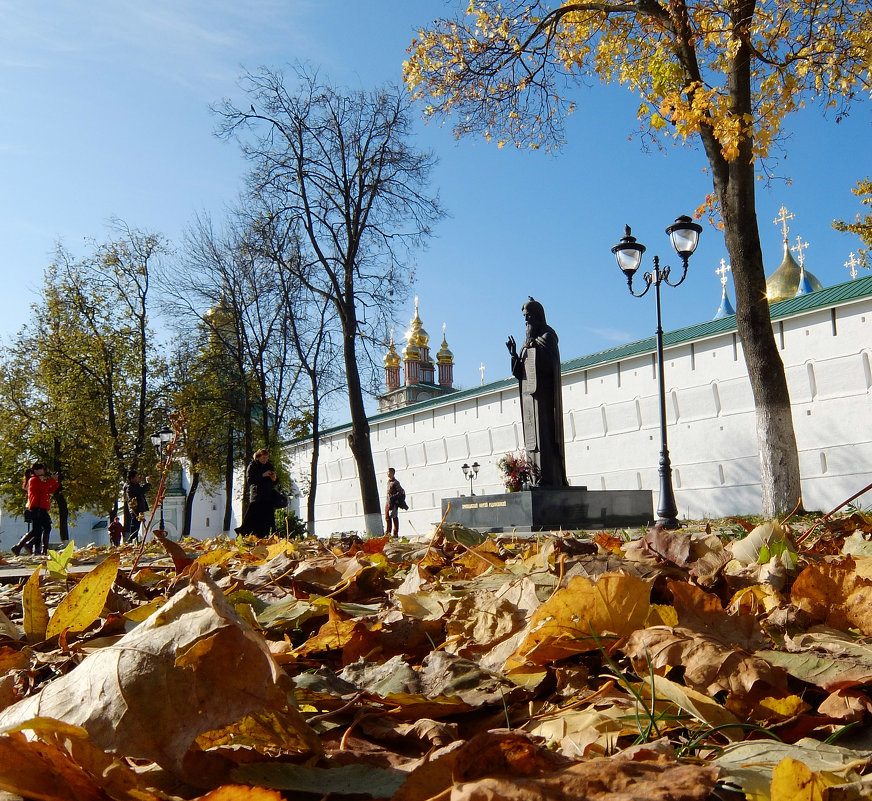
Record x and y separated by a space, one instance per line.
63 516
60 498
189 505
313 465
776 441
734 183
228 482
358 439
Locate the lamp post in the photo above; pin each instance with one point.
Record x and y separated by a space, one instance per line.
160 440
684 234
471 473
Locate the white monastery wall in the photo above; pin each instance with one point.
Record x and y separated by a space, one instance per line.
612 427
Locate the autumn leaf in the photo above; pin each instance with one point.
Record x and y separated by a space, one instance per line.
835 594
583 616
84 603
167 681
37 770
35 609
792 780
709 666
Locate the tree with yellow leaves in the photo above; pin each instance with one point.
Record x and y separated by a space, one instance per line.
721 72
862 225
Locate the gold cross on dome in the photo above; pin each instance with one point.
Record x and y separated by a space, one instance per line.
722 272
799 249
852 264
783 216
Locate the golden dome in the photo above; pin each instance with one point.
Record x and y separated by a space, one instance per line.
411 352
444 356
416 335
783 283
392 358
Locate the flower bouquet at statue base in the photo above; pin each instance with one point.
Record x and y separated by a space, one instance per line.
518 471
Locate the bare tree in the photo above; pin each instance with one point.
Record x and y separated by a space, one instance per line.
340 167
313 329
234 296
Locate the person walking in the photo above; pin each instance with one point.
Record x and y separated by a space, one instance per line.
116 529
396 500
137 502
40 488
259 518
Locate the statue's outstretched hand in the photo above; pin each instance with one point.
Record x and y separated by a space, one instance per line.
510 344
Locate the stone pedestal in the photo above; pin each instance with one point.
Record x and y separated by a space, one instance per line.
539 509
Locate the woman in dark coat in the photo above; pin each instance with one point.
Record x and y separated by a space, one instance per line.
259 518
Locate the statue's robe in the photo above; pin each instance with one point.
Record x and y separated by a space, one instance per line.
537 368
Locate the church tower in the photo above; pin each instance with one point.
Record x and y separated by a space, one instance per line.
392 367
445 359
418 382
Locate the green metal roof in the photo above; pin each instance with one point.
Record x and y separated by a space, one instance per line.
822 299
825 298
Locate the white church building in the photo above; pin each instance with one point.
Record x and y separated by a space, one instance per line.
611 416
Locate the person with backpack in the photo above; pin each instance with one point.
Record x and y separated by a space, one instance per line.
396 501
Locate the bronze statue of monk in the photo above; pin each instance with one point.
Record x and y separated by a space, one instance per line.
537 368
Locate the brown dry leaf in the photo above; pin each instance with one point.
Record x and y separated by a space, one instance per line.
834 594
335 635
34 769
701 706
708 557
609 542
431 776
592 730
602 779
702 612
583 616
504 752
846 705
673 546
828 658
175 551
191 667
481 558
709 666
480 620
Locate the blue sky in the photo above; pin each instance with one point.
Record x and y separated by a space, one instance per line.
106 113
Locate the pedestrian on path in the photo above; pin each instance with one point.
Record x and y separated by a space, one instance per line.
396 500
116 529
137 502
40 488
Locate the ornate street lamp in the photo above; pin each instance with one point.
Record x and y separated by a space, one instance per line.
160 440
684 234
471 473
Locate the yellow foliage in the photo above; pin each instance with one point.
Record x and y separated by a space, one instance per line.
681 58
